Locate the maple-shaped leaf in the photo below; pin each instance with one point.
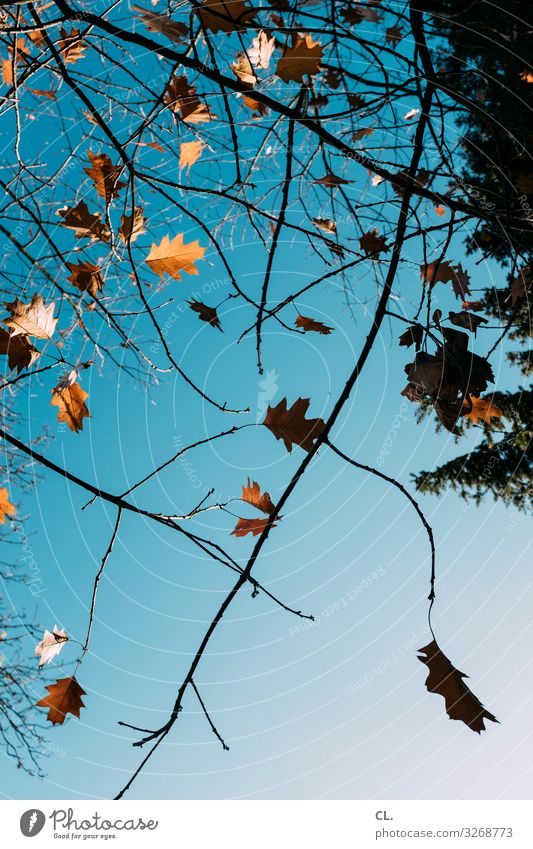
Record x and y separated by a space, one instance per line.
331 181
225 15
251 493
72 407
482 410
261 50
393 35
172 256
373 243
468 320
182 99
325 224
290 424
72 46
20 352
155 22
50 645
65 696
412 336
258 109
33 319
6 508
302 58
250 526
445 272
310 325
206 313
86 277
445 680
132 226
352 14
190 153
85 224
104 175
243 70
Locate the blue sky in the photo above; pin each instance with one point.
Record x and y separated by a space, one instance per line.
336 709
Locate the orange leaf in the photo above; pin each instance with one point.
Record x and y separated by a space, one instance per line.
65 697
483 409
291 426
190 153
104 175
86 277
72 406
250 526
300 59
309 324
6 508
253 495
173 256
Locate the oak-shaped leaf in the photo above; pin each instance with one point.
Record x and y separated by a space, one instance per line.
481 410
20 352
65 696
445 272
251 493
190 153
250 526
181 98
261 50
86 277
33 319
50 645
206 313
72 408
6 508
308 325
155 22
302 58
71 45
104 175
412 336
172 256
373 243
290 424
85 224
325 224
445 680
466 319
225 15
393 35
132 226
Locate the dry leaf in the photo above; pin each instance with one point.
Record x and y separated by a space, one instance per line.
20 352
411 114
72 406
153 21
467 320
445 680
33 319
309 324
412 336
325 224
251 493
72 47
174 256
225 15
250 526
65 696
300 59
190 153
483 409
291 426
104 175
39 92
360 134
84 223
261 50
182 98
71 376
243 70
6 508
50 645
445 272
373 243
86 277
393 35
259 109
476 306
132 226
206 313
331 181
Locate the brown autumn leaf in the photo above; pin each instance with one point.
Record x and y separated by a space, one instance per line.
302 58
325 224
331 181
104 175
72 46
206 313
243 70
373 243
475 306
6 508
33 319
310 325
7 71
72 407
155 22
261 50
468 320
483 409
84 223
39 92
225 15
290 424
181 98
393 35
172 256
352 14
190 153
132 226
86 277
362 133
250 526
65 696
445 680
251 493
20 352
258 109
412 336
445 272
